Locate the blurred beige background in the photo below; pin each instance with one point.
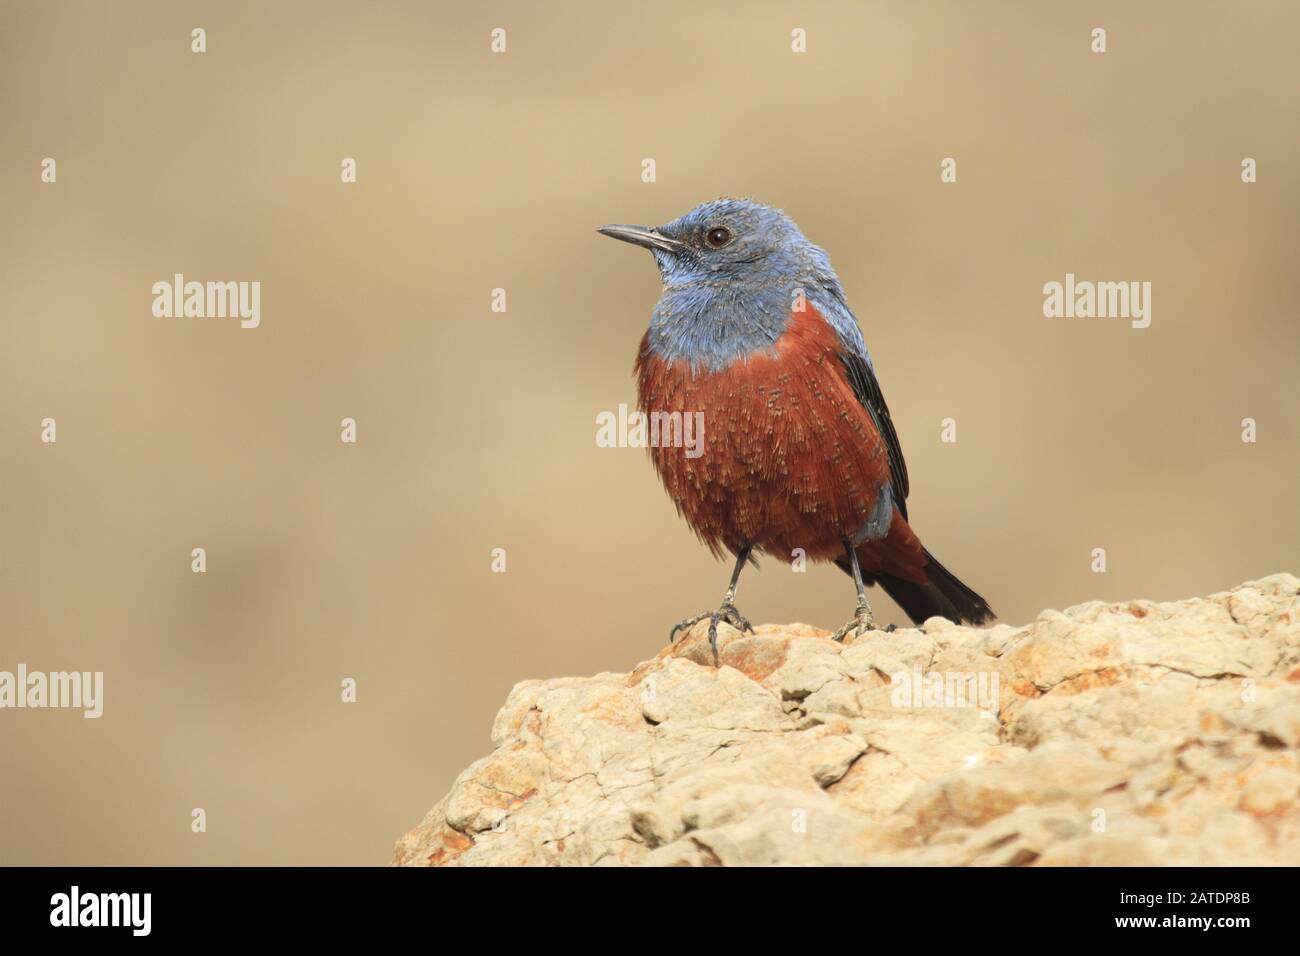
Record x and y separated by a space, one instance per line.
477 430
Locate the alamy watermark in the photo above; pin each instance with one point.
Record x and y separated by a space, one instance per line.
637 429
179 299
130 910
916 688
1073 299
58 689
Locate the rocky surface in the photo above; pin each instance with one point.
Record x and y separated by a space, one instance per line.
1108 734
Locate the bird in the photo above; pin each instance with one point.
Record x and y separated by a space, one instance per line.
799 454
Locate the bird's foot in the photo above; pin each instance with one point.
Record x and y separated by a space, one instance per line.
862 622
726 613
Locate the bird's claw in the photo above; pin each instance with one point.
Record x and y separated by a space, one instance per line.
726 613
862 622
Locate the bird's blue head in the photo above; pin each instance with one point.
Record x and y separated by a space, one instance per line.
732 272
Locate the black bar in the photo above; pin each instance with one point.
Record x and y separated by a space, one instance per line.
331 905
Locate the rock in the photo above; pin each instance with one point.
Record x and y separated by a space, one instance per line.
1108 734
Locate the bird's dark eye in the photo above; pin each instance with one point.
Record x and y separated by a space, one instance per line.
718 236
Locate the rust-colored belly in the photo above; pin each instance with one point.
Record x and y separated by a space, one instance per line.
790 458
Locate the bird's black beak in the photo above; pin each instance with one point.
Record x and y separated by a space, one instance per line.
642 236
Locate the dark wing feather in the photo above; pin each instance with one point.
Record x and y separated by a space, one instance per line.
867 389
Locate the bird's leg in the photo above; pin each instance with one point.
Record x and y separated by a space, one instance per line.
862 618
727 612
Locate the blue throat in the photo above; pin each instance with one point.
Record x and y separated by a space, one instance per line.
716 324
725 303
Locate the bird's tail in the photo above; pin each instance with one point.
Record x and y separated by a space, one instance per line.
945 596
